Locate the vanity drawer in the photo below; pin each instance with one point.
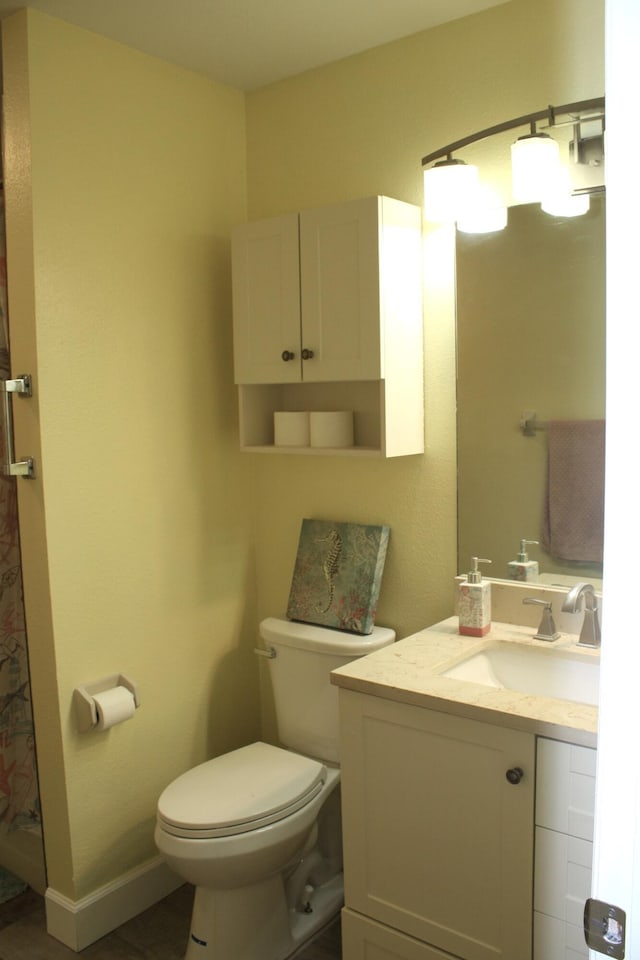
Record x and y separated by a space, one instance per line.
364 939
565 788
562 875
555 940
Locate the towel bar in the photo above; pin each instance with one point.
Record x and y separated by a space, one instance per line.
529 423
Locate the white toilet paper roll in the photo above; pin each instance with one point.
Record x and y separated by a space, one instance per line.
331 429
114 706
291 428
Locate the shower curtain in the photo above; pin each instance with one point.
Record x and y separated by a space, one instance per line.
19 801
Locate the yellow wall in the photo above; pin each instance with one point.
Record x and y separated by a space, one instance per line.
360 127
137 175
138 534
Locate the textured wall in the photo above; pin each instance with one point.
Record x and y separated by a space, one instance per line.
141 523
359 127
137 177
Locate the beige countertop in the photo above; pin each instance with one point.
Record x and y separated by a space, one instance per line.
408 671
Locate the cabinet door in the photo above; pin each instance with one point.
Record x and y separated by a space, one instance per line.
437 842
364 939
340 280
266 301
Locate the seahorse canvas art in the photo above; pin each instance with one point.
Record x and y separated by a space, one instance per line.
337 575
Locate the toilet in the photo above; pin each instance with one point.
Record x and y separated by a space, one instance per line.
257 831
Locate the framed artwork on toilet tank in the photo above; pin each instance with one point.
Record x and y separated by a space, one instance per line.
337 574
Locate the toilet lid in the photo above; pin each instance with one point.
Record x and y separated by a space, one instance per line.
239 791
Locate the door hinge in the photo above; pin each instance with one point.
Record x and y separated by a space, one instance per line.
604 927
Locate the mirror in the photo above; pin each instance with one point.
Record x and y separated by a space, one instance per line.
530 304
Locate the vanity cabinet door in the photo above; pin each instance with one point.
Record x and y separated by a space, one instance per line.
438 843
364 939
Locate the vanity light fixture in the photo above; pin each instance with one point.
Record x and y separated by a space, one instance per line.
449 187
452 189
566 205
484 214
535 166
559 201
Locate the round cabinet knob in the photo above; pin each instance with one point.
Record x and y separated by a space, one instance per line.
288 355
514 775
307 354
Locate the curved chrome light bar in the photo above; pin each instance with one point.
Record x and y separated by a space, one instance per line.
579 112
453 192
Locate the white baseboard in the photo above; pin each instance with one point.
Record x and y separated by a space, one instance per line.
77 923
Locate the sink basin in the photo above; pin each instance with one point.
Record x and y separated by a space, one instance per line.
533 670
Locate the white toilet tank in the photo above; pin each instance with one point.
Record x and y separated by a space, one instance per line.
306 702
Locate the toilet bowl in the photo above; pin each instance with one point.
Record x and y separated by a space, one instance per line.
257 831
239 818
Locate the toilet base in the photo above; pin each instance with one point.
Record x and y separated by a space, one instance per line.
326 901
255 923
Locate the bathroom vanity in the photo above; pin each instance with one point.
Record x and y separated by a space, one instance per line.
467 808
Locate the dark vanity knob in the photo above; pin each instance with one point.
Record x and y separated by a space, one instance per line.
288 355
307 354
514 775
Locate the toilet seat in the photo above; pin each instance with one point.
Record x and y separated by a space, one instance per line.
238 792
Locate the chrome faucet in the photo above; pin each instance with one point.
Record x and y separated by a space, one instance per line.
590 633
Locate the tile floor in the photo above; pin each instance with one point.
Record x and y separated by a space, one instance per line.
160 933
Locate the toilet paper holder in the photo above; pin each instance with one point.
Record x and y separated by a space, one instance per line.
85 707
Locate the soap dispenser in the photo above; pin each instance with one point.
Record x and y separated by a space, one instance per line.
474 602
523 568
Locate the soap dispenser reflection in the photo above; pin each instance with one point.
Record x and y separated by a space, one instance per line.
474 602
523 568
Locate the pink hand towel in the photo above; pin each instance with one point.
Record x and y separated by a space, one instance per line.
573 523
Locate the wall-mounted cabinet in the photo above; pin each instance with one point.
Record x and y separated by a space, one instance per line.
328 316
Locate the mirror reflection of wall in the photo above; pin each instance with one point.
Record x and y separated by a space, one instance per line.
531 337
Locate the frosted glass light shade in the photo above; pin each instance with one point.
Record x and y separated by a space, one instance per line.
448 189
566 204
560 202
535 166
484 214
